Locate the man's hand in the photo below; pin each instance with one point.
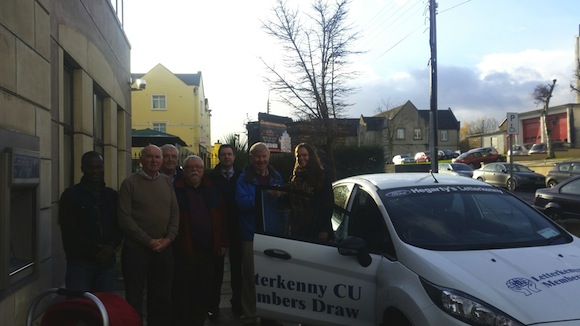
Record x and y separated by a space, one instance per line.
104 254
158 245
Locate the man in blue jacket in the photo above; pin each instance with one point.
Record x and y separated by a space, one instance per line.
90 233
259 172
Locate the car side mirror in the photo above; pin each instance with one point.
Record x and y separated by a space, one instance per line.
355 246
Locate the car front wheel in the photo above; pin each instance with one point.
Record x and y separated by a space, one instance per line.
552 183
554 214
511 184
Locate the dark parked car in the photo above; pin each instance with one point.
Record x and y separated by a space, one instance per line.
448 154
498 174
562 171
459 169
560 202
475 157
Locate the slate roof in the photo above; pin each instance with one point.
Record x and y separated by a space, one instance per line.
188 79
445 119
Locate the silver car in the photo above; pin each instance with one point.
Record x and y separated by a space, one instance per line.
498 174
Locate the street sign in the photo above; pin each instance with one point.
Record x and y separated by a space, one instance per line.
513 123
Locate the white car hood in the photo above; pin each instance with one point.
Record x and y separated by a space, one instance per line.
539 284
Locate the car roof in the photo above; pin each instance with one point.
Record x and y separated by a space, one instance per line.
568 162
395 180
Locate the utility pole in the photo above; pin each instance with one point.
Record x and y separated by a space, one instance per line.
433 132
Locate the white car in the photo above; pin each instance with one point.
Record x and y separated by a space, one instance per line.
416 249
403 159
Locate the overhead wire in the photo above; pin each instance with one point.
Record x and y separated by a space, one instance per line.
407 35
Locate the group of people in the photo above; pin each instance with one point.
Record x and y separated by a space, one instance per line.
176 224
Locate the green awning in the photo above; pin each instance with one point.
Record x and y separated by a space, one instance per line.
144 137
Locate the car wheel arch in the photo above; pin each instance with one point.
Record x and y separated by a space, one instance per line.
395 317
553 211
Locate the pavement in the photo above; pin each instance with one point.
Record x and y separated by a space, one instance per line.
226 315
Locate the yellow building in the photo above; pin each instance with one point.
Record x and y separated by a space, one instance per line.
174 104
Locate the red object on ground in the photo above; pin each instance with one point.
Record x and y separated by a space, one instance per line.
71 311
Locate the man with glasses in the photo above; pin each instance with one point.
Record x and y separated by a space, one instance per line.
201 237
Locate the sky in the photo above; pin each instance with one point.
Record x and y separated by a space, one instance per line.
491 54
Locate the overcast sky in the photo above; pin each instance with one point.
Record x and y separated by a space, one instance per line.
491 53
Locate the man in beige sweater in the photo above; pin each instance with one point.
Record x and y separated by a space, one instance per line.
148 215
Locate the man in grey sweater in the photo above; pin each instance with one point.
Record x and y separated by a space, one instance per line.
148 215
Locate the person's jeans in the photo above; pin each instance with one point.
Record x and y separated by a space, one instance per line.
89 276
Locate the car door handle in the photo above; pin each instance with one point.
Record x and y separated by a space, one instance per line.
276 253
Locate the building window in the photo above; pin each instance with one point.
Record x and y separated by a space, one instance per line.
98 123
158 102
417 134
67 124
444 135
160 126
400 133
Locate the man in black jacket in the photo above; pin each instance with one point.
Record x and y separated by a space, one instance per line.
225 176
90 233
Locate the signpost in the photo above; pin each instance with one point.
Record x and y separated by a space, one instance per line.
513 128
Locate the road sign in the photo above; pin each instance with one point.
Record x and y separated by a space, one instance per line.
513 123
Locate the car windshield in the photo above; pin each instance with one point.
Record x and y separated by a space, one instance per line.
467 218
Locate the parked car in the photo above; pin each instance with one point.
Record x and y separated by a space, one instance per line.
418 249
476 157
459 169
498 174
518 149
562 171
448 154
560 202
422 157
490 150
403 159
556 145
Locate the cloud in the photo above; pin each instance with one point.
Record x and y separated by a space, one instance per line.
500 83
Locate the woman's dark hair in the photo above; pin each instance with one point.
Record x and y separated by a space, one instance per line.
313 169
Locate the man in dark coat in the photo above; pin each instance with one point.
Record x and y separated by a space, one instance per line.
90 232
202 235
225 176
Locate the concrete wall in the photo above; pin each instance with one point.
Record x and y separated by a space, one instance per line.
37 38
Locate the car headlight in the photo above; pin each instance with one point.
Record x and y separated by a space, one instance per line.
467 308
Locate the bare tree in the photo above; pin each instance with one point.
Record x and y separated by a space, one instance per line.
576 88
389 112
314 77
542 95
479 126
